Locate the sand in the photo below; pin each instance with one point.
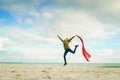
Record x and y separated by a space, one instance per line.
57 72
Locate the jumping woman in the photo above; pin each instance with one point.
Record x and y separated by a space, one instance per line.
67 48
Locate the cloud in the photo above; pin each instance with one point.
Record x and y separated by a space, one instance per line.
34 13
27 36
29 45
47 15
22 10
29 21
45 52
20 7
44 14
5 42
105 11
37 22
49 50
103 52
111 7
73 22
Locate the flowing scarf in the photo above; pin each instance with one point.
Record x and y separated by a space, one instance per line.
85 53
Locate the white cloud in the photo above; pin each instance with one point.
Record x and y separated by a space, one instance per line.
46 53
30 45
19 7
29 21
48 15
105 56
16 8
111 8
34 13
47 22
103 52
73 22
28 36
5 42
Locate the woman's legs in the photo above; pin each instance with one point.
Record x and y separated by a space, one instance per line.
64 56
69 50
65 53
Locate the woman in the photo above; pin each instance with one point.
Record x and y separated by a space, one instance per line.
67 48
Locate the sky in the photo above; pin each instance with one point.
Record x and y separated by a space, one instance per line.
29 29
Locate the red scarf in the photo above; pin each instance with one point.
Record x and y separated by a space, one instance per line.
85 53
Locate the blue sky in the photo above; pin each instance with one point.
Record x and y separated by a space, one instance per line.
28 30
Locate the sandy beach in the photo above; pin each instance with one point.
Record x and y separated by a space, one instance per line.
57 72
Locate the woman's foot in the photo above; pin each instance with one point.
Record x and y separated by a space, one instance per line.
65 64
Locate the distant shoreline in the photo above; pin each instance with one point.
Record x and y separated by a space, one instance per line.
78 64
110 66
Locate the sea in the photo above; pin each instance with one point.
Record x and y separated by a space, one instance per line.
76 64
